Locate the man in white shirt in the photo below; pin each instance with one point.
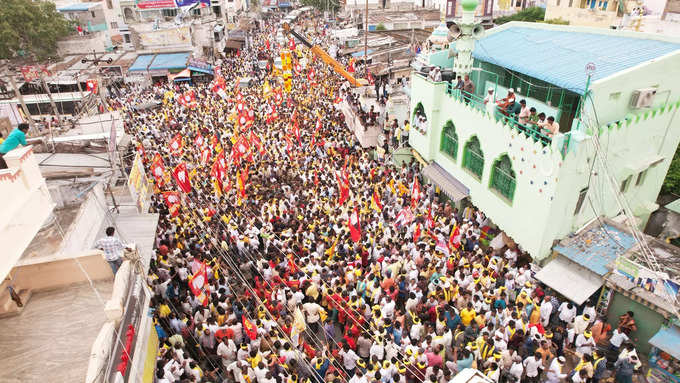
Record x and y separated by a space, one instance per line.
546 310
567 313
227 351
533 366
349 359
617 339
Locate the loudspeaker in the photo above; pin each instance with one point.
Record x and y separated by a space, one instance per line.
477 31
454 32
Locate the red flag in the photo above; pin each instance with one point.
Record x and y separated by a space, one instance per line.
454 238
249 328
376 200
91 86
415 192
171 198
310 75
157 168
255 139
199 141
188 99
296 131
182 177
205 156
416 233
429 221
344 190
141 151
198 283
337 100
354 225
316 179
176 144
291 44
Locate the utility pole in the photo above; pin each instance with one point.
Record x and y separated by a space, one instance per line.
366 39
49 95
20 97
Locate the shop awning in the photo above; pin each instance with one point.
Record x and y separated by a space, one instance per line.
449 185
570 279
141 63
202 70
170 61
181 76
667 339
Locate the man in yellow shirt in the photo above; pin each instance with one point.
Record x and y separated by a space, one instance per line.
467 315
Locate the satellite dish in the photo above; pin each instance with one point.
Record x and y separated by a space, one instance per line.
455 32
477 31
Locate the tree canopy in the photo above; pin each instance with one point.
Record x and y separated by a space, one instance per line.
30 29
532 14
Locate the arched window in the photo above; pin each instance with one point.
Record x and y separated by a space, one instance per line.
503 177
473 157
419 119
449 141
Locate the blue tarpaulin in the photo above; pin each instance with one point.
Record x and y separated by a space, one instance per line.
667 339
596 247
560 56
361 53
202 70
170 61
141 63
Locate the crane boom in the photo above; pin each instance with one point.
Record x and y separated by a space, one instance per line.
325 57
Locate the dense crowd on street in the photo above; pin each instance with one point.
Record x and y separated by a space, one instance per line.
286 253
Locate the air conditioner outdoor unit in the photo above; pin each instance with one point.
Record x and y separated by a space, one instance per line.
643 98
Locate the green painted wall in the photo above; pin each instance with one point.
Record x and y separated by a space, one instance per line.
548 184
647 320
441 58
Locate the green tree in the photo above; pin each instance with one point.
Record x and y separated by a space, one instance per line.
672 182
30 28
533 14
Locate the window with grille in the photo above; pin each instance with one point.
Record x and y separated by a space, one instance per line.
473 157
169 12
449 141
503 177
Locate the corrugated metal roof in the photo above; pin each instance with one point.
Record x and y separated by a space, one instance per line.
78 7
570 279
141 63
170 61
560 56
596 247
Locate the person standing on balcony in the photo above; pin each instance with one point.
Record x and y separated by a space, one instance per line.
15 138
112 248
490 101
468 88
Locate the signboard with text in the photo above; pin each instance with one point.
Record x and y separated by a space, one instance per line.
156 4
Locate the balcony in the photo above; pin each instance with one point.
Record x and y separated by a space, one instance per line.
511 121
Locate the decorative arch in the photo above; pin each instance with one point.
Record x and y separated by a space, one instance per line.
449 140
503 177
473 157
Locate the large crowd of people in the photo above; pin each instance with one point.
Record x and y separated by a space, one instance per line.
286 253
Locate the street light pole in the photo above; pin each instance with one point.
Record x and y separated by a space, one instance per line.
366 39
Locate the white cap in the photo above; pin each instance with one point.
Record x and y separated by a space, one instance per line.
511 90
490 89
